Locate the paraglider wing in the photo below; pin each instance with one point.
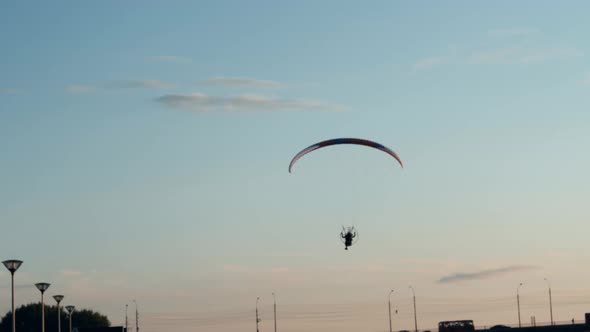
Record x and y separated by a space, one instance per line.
336 141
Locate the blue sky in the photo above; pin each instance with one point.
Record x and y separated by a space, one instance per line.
145 148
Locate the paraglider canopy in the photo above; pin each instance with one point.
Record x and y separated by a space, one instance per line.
336 141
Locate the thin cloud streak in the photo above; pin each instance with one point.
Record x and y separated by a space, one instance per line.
169 58
523 56
200 102
139 84
484 274
430 62
242 81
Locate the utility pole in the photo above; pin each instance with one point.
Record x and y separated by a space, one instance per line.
550 302
518 303
389 308
136 317
415 315
257 319
275 309
126 318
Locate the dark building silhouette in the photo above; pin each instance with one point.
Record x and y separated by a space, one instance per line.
100 329
540 328
468 326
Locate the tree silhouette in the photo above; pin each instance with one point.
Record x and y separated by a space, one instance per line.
28 319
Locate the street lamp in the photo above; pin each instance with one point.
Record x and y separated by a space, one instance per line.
415 315
518 302
58 298
42 286
70 309
275 309
550 302
389 307
136 317
126 319
257 319
12 265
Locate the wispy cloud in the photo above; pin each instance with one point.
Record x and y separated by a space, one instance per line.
79 88
430 62
200 102
512 32
139 84
484 274
586 79
242 81
523 55
169 58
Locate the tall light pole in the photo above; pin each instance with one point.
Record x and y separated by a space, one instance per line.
58 298
126 319
136 317
70 309
550 302
42 286
257 319
275 309
518 302
389 307
12 265
415 315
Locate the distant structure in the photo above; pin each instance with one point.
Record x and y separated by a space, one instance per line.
136 317
101 329
456 326
468 326
539 328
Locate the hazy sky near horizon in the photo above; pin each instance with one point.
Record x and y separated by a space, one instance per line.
144 149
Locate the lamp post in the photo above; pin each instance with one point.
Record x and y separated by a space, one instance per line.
275 309
12 265
58 298
136 317
550 302
42 286
415 315
257 319
518 302
126 319
70 310
389 308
